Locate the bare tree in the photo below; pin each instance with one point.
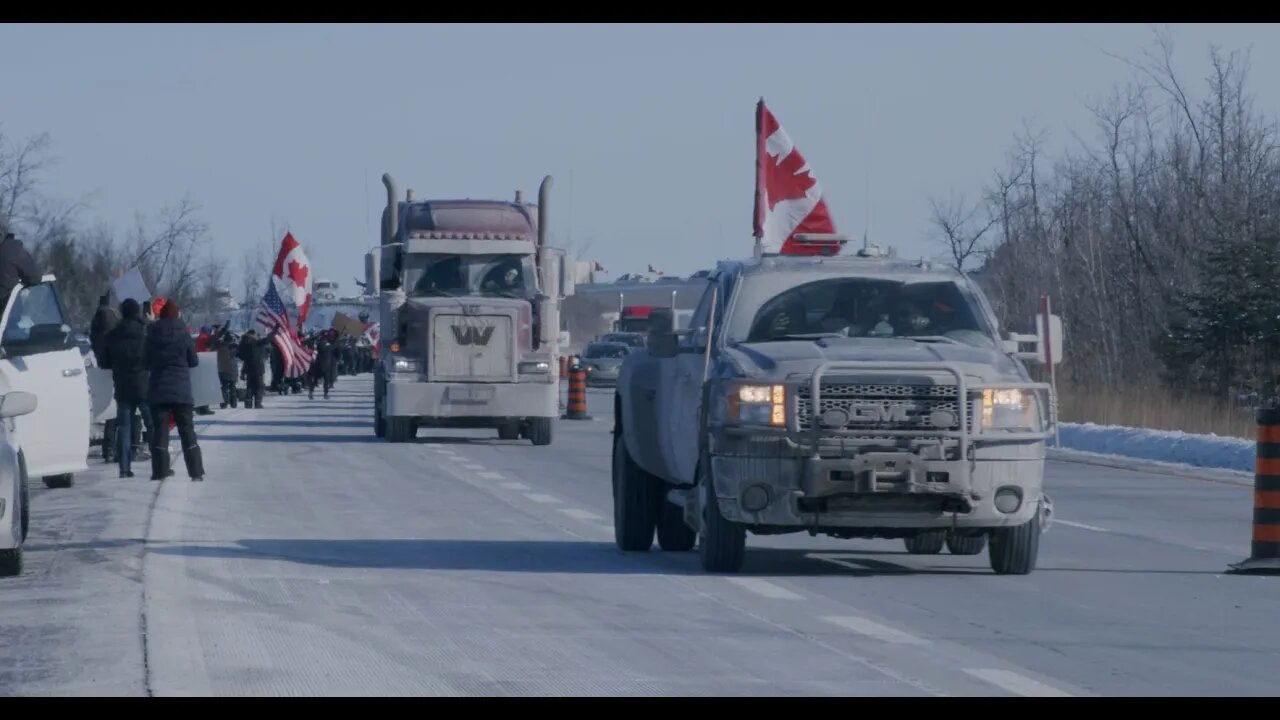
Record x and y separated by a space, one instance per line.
961 233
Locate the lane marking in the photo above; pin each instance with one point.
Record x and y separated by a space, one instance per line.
456 458
765 588
580 514
514 485
541 498
473 466
492 476
836 559
1082 526
1015 683
875 630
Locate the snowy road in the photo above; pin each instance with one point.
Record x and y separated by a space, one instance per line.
318 560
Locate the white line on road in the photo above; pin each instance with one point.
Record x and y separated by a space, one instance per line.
1017 684
874 630
1082 526
473 466
541 498
765 588
514 485
580 514
492 476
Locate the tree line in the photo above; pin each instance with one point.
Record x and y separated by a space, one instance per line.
173 247
1157 237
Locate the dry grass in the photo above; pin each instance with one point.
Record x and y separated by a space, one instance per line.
1156 409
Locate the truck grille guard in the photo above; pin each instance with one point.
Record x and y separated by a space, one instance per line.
953 398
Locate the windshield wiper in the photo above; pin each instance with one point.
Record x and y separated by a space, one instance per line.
933 338
803 336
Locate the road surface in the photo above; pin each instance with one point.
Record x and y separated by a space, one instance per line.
316 559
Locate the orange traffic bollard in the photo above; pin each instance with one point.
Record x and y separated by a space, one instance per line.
577 392
1264 557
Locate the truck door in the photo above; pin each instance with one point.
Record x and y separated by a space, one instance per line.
685 394
38 355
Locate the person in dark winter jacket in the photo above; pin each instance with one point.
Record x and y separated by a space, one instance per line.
325 366
103 321
170 355
123 353
224 343
16 266
253 354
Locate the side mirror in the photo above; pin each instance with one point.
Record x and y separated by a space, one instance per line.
1037 354
16 403
372 273
662 341
568 277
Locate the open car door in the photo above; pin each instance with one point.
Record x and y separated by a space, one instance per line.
38 354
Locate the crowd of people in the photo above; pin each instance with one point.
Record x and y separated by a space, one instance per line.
150 353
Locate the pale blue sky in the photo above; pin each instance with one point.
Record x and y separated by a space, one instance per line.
648 129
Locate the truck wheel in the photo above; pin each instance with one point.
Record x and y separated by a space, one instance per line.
724 543
400 430
540 430
929 542
11 562
966 544
26 509
1014 549
59 481
508 431
635 501
673 534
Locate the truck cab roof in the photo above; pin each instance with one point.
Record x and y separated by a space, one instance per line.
469 219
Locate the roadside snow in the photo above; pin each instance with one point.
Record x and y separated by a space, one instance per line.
1207 451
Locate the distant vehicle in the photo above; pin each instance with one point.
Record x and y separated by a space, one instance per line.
15 513
603 360
630 339
853 396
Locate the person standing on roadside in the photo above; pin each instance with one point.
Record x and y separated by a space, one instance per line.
170 355
123 353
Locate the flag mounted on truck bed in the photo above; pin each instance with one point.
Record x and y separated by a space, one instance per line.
789 200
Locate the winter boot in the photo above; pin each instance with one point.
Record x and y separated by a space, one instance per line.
194 461
160 464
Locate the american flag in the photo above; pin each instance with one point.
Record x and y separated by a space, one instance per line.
297 359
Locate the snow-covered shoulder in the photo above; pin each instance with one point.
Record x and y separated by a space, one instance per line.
1161 449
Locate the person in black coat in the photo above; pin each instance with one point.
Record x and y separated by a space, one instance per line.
103 321
123 351
253 354
325 366
170 355
16 266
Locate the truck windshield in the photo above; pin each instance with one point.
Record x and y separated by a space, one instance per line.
453 275
870 308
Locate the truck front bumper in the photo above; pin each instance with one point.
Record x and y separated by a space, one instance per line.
874 490
471 400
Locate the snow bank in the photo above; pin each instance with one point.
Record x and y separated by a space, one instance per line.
1207 451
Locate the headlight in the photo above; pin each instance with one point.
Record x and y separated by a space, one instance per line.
1009 410
530 368
405 365
758 405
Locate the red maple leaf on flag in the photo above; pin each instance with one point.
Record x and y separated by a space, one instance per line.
297 273
787 180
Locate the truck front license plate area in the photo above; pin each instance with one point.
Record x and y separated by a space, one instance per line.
468 394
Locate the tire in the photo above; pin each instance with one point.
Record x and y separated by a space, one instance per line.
673 534
26 506
928 542
1014 550
60 481
723 548
635 501
966 544
540 431
508 431
400 430
11 562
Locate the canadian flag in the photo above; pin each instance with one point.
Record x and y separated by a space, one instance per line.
293 273
788 197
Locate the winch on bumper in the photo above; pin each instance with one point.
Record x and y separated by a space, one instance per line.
920 457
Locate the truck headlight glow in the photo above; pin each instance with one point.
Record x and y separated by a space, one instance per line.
758 405
405 365
1010 409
